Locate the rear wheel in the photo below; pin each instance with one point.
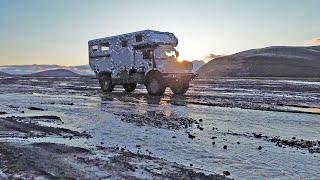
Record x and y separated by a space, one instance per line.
130 87
155 85
180 88
106 83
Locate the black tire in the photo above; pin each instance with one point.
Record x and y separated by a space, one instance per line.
106 83
130 87
155 85
180 88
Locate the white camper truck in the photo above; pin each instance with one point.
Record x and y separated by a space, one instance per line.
145 57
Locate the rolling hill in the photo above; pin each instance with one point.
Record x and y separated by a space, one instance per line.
55 73
4 74
35 68
275 61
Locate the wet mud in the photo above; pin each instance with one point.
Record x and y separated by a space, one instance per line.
67 128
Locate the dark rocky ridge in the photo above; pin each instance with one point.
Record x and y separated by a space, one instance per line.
277 61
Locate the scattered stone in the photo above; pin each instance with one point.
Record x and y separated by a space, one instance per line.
225 147
314 150
293 137
173 137
238 142
227 173
191 136
158 119
213 143
260 147
35 109
258 136
13 107
3 113
200 120
213 137
191 165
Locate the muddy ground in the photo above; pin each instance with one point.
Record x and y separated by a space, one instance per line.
238 128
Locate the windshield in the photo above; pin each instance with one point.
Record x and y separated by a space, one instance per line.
165 53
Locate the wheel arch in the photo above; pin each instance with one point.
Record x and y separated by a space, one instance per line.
104 73
153 73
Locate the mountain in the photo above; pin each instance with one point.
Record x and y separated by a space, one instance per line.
197 64
55 73
30 69
276 61
4 74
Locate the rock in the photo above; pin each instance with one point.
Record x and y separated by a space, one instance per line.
35 109
191 136
238 142
173 137
213 143
258 136
3 113
260 147
293 137
213 137
227 173
191 165
200 120
225 147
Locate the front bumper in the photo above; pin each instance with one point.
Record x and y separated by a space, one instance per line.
172 78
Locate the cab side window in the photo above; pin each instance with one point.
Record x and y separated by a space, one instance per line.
139 38
124 43
147 54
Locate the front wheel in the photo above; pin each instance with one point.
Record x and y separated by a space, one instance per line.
155 85
130 87
106 83
180 88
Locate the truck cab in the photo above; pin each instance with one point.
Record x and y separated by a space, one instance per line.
144 57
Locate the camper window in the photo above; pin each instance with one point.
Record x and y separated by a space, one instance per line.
138 38
147 54
124 43
105 47
94 48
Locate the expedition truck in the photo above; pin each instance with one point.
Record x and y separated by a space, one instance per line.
145 57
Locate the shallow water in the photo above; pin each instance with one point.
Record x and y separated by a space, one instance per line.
93 111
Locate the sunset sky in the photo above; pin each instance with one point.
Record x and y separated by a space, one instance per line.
56 32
